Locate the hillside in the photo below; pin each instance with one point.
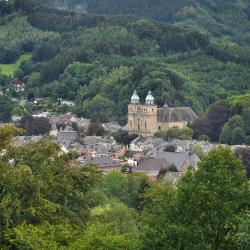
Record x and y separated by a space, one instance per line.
218 17
98 60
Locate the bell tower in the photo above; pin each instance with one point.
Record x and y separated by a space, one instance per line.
142 118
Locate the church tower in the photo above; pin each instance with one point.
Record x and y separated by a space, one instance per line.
142 118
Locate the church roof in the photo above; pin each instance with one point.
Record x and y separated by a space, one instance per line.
176 114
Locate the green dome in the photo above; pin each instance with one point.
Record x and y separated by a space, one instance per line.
150 99
135 98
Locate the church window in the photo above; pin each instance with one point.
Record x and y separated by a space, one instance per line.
160 128
131 123
145 125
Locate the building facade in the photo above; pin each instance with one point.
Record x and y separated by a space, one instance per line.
147 119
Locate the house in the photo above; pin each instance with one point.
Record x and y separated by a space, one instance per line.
67 103
172 177
151 167
105 164
68 134
180 160
18 85
22 140
39 101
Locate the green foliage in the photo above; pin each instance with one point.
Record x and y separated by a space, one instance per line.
19 37
45 202
203 212
235 131
95 129
226 135
214 218
44 236
10 69
38 184
242 237
6 135
213 122
35 125
198 150
123 137
126 188
112 226
176 133
6 107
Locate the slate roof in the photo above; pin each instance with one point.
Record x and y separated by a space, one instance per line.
176 114
151 166
101 162
172 176
178 159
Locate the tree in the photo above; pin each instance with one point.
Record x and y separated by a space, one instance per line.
170 148
246 118
238 136
126 188
198 150
211 199
242 236
159 222
95 129
236 121
44 236
6 107
226 135
212 124
6 135
176 133
112 226
244 154
217 116
123 137
38 184
35 125
203 138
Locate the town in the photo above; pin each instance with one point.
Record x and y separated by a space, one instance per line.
124 124
103 145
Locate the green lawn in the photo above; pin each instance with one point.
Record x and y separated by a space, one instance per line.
9 69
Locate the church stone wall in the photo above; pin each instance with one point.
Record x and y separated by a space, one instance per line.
142 119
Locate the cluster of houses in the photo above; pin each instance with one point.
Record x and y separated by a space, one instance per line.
149 155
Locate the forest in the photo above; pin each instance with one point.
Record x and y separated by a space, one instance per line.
97 60
82 56
46 202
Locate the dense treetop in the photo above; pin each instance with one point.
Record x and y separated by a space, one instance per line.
48 202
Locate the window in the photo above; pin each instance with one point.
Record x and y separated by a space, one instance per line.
160 128
145 125
131 123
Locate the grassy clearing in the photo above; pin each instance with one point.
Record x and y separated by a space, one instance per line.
9 69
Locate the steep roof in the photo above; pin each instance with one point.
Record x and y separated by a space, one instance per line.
103 162
176 114
179 159
151 166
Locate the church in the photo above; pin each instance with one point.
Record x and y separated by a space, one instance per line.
147 119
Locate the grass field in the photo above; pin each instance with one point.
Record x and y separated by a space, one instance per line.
9 69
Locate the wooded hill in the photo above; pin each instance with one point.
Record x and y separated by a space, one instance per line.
98 60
